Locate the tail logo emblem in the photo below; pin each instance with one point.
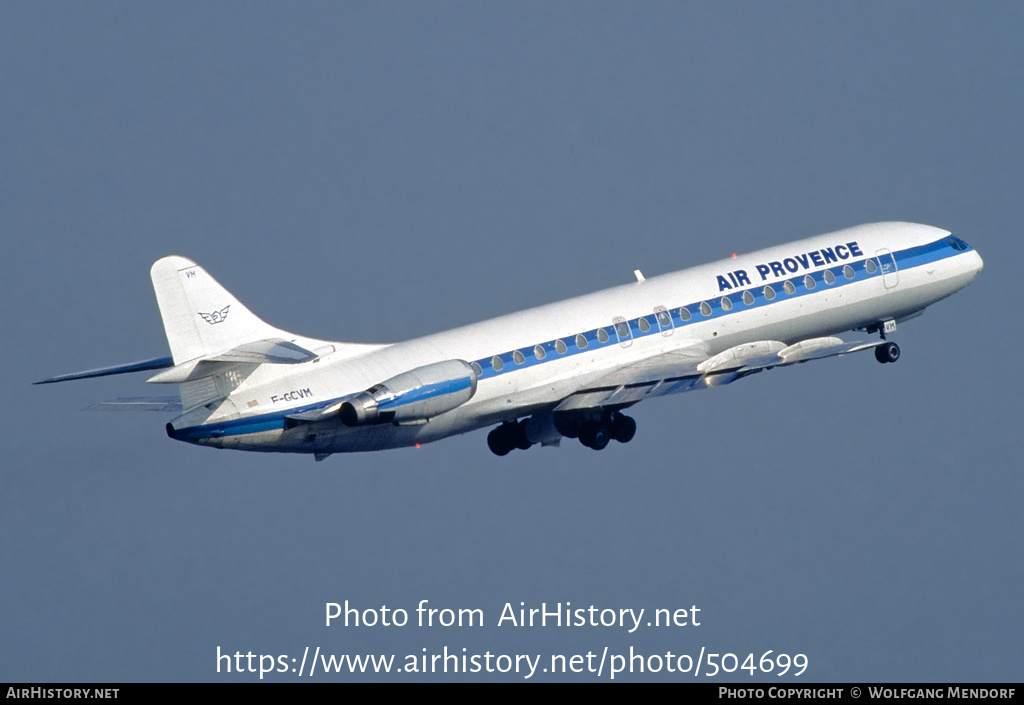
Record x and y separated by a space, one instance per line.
216 316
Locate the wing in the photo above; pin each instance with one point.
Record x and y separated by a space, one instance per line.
692 368
273 351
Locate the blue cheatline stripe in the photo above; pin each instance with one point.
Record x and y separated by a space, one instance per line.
427 391
905 259
277 421
250 424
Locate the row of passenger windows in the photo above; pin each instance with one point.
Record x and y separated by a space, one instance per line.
664 319
769 291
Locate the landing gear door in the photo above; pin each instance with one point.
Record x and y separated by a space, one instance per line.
890 275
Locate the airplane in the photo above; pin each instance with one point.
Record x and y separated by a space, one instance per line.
567 369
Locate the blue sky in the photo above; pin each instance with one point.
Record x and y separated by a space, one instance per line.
373 172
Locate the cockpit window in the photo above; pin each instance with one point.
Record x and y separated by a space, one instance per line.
956 243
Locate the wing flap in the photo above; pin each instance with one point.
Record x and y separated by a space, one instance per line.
631 383
138 404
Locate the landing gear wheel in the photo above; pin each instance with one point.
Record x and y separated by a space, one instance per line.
519 436
887 352
624 429
507 437
498 441
595 435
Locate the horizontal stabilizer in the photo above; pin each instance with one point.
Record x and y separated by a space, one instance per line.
138 404
274 351
158 363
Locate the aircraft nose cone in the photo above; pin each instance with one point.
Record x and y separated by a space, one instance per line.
976 264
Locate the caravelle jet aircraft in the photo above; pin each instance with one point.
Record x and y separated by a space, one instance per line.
567 369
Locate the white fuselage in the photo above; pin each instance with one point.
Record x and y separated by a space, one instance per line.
861 277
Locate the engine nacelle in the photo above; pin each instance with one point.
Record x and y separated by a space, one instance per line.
415 395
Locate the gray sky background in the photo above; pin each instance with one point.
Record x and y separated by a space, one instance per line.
377 171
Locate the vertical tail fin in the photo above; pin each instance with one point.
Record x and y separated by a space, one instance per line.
200 316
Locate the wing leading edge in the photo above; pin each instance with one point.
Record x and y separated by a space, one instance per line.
692 368
157 363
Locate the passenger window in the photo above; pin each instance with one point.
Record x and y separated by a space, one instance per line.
848 271
538 352
869 265
769 292
808 282
684 314
664 320
602 335
705 308
726 303
789 287
477 369
581 341
518 357
497 364
622 330
748 298
830 278
560 347
644 325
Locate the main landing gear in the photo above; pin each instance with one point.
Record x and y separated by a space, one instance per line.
595 428
507 437
613 425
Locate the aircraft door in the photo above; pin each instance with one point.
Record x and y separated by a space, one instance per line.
622 331
890 274
664 318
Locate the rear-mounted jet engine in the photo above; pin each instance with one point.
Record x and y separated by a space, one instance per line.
412 396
